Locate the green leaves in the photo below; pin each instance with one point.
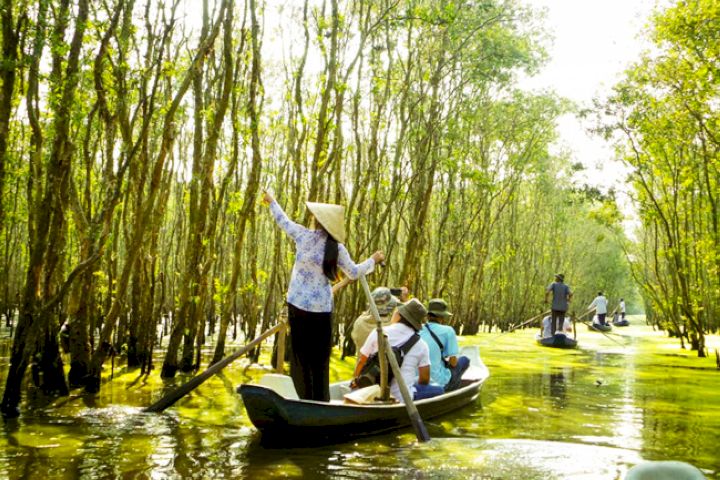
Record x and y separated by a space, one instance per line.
665 108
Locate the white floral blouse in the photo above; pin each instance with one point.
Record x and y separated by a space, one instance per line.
309 287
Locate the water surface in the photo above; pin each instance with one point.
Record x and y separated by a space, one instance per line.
589 413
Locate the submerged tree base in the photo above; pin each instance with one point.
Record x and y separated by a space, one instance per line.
168 371
92 383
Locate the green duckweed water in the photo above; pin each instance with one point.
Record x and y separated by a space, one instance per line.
544 413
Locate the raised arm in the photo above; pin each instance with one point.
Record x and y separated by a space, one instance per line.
353 270
291 228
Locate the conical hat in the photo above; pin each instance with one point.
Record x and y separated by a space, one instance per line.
331 217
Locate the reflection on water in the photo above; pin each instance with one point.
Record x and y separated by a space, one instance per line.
544 413
557 389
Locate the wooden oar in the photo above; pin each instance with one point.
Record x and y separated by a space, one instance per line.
382 342
512 329
527 321
176 394
341 284
347 281
417 423
604 333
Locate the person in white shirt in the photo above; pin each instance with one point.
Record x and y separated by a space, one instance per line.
318 254
599 304
547 327
622 308
415 369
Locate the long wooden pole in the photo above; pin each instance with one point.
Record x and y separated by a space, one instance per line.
606 334
280 352
512 329
341 284
589 324
382 343
417 423
527 321
175 395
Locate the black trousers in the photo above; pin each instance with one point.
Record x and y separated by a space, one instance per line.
311 341
558 318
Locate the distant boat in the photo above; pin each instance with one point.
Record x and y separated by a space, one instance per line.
559 340
599 327
274 408
620 323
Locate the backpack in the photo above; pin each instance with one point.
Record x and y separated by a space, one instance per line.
370 373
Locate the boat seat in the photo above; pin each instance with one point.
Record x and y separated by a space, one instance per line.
338 391
472 352
280 384
477 369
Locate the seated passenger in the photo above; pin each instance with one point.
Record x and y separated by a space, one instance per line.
446 368
365 323
546 327
415 369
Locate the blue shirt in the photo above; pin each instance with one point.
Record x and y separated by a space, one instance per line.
560 294
439 375
309 288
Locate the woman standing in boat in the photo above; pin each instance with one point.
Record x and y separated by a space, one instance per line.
318 254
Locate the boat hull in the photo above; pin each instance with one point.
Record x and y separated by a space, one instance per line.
600 328
300 421
557 341
621 323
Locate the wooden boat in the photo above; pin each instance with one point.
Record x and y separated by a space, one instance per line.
620 322
599 327
559 340
275 410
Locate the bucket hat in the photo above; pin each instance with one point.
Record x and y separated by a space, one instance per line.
438 307
384 300
414 312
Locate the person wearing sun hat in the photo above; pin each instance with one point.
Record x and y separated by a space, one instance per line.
446 367
318 254
561 296
365 323
407 321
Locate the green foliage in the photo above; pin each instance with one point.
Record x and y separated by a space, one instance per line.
667 114
417 126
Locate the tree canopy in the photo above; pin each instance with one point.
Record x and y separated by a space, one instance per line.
137 136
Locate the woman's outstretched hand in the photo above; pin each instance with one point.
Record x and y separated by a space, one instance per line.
267 198
378 256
